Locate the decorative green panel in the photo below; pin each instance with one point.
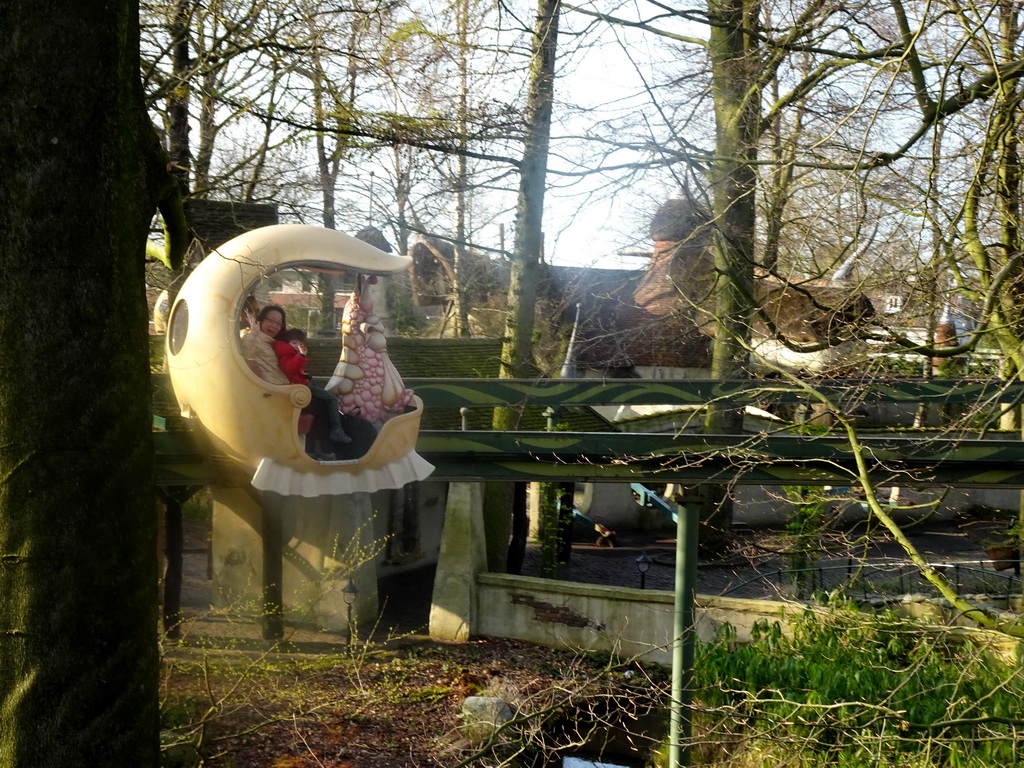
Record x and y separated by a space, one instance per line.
537 392
735 448
773 460
762 459
455 393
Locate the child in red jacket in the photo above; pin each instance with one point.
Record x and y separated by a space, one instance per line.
291 356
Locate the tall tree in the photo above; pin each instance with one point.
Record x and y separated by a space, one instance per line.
78 618
460 309
736 92
528 243
218 64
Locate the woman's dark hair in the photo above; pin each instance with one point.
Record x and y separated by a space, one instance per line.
274 308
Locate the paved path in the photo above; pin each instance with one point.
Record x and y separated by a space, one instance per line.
760 555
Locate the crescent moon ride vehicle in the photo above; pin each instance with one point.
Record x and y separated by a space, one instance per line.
256 424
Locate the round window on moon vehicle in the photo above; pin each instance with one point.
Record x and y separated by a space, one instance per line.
178 328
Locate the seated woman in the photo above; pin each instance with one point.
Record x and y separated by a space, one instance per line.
266 329
258 343
258 350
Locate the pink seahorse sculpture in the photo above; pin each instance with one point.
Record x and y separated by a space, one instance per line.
365 380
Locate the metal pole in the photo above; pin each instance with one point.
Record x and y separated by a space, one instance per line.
683 635
348 628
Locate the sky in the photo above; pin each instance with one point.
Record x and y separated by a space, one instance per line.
591 222
586 223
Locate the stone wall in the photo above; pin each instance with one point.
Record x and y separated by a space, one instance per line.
469 601
591 617
634 622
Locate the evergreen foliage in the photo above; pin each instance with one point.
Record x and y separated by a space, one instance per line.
849 689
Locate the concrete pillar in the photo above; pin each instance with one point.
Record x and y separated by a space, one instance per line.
237 553
327 541
533 509
463 555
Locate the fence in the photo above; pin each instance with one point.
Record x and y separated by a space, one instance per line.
890 578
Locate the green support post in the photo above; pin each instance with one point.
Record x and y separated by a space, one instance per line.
683 636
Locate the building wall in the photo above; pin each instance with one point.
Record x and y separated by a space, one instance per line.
613 505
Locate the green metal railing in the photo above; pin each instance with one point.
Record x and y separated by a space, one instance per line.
760 459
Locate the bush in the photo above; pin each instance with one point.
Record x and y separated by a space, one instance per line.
852 689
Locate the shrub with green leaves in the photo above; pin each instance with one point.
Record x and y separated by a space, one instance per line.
852 689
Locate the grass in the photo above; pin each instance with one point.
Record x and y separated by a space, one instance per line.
396 708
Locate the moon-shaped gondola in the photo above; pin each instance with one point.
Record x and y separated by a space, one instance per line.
252 422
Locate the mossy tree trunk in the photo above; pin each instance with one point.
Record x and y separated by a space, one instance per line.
999 175
527 255
527 248
736 93
734 68
78 580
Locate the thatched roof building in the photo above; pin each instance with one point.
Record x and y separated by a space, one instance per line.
658 321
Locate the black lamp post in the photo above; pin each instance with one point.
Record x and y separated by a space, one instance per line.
643 565
350 592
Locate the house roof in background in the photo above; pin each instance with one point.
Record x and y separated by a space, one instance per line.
615 332
214 222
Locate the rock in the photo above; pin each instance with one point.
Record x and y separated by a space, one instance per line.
482 716
179 755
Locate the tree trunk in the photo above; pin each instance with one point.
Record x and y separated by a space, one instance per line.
208 132
517 349
78 577
733 179
461 308
178 101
